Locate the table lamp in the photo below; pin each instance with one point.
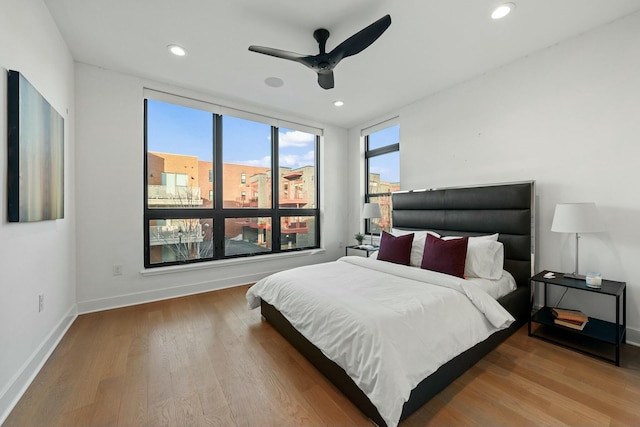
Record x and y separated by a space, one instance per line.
576 218
371 210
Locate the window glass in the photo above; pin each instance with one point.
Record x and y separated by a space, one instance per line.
178 150
297 158
384 137
180 240
246 236
384 171
297 232
246 150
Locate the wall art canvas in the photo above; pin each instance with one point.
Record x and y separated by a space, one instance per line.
35 154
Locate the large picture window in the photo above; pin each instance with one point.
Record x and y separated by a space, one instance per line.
210 188
382 173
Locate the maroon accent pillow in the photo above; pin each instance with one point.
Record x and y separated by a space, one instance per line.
445 256
395 249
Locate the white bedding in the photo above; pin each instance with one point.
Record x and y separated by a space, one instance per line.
388 326
496 288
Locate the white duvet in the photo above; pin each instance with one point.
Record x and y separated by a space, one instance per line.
388 326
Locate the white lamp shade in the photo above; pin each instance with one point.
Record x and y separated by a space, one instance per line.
371 210
577 218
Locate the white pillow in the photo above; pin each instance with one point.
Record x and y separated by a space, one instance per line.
492 237
417 247
416 233
485 256
485 259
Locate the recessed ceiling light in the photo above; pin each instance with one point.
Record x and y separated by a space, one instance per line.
177 50
502 10
338 103
273 81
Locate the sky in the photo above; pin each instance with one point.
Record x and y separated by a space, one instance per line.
387 165
188 131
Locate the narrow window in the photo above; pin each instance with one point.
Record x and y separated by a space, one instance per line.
382 169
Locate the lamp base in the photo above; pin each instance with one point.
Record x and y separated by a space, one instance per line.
574 276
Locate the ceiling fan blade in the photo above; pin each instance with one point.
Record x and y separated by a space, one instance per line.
323 63
362 39
325 79
278 53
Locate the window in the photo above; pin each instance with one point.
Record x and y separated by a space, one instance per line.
382 173
209 189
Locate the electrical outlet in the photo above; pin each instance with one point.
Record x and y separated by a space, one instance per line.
40 303
117 269
340 245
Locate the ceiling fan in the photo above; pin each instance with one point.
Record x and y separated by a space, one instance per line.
324 62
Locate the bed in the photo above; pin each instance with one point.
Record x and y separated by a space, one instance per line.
506 209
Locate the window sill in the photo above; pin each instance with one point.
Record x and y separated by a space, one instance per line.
228 262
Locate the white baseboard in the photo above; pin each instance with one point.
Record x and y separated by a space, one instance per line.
12 393
127 300
633 336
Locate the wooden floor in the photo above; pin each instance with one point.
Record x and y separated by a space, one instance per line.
206 360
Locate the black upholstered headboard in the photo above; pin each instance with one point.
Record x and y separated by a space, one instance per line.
507 209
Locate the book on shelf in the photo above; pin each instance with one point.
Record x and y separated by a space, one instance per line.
573 324
568 314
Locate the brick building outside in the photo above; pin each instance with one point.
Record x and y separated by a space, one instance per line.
185 181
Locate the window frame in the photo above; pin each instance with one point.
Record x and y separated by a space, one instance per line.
217 212
370 153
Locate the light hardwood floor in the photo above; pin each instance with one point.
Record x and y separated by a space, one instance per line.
206 360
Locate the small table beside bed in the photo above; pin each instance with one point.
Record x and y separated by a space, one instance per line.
392 333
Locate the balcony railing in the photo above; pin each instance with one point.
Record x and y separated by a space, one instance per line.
296 227
246 202
175 234
162 195
294 198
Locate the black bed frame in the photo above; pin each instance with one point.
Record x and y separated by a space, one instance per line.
507 209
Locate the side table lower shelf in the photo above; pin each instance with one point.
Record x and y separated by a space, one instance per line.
598 338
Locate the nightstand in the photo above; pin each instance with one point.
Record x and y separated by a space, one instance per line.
368 251
597 333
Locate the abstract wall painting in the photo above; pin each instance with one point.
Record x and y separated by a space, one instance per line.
35 154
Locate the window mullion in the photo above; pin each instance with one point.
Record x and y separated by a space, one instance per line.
218 212
275 190
382 150
145 200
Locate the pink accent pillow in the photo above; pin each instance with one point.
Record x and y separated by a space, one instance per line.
445 256
395 249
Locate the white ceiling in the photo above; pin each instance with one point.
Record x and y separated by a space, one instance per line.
430 45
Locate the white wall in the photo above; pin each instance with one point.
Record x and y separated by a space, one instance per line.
110 158
566 117
35 258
